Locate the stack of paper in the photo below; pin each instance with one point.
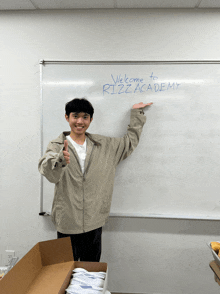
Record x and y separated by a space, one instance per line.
84 282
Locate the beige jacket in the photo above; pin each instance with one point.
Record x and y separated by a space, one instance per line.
82 201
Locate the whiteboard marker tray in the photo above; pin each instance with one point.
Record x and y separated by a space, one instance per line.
215 255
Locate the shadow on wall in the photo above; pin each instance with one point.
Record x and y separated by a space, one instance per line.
162 226
152 225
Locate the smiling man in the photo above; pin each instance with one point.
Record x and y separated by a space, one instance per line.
82 166
79 123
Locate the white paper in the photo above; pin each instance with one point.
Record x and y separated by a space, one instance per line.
84 282
89 280
82 270
80 289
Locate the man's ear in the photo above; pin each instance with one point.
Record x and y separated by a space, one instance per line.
66 117
91 119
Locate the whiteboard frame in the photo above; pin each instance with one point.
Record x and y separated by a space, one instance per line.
119 215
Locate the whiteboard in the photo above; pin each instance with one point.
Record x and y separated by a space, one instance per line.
175 170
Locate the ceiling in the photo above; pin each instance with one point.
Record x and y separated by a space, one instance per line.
105 4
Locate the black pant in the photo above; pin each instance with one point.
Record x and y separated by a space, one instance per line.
86 246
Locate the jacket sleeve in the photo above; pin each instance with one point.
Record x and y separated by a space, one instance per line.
126 145
52 164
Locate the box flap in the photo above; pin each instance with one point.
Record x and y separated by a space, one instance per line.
56 251
24 273
20 277
51 279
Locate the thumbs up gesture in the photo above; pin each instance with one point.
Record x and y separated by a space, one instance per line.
65 152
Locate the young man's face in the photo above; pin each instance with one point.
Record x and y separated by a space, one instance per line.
79 122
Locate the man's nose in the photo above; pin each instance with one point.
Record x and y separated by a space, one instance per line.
79 120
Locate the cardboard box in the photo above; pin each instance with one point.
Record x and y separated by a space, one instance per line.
46 269
213 265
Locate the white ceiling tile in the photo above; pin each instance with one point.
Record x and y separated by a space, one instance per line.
73 4
16 4
156 3
210 4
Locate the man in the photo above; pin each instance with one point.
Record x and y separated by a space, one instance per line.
82 166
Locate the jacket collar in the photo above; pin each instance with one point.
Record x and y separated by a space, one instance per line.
62 137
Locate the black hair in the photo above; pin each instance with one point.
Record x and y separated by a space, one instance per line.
79 105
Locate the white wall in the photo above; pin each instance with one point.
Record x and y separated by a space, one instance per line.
144 255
